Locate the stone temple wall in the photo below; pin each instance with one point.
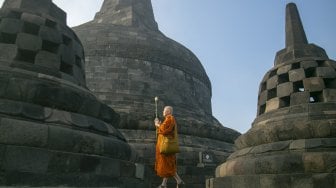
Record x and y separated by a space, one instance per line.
53 130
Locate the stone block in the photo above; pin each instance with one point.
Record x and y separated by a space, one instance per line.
285 89
8 52
272 82
323 180
272 104
17 132
140 171
39 6
127 169
28 42
10 25
314 162
301 181
11 108
296 75
79 120
262 98
299 98
64 162
32 18
313 84
78 74
326 72
329 160
331 63
97 125
50 34
48 60
109 167
65 139
31 111
329 95
26 159
116 148
15 89
77 48
284 69
67 55
320 128
308 64
90 164
58 13
2 157
108 115
275 181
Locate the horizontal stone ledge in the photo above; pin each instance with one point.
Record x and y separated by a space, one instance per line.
45 115
314 180
321 144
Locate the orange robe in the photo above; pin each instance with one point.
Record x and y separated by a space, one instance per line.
165 165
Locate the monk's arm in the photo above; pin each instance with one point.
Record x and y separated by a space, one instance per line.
166 127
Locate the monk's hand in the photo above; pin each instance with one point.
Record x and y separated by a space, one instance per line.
157 122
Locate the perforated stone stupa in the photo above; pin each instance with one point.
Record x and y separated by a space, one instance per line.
53 130
293 138
129 62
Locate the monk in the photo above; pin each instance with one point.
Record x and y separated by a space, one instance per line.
165 165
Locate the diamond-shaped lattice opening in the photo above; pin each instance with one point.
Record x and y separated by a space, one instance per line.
26 55
296 65
50 23
7 38
310 72
298 86
330 83
262 109
78 61
263 87
14 14
284 102
283 78
66 68
273 73
66 40
316 97
31 28
272 93
50 46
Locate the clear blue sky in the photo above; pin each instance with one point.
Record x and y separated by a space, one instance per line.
236 41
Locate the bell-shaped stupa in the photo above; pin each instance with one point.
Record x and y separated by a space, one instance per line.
129 62
53 130
292 140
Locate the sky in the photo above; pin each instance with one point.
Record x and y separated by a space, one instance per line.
236 41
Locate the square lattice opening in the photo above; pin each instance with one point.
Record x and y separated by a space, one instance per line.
7 38
26 55
31 28
50 46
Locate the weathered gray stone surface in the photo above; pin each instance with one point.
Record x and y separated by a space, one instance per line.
53 130
129 62
292 140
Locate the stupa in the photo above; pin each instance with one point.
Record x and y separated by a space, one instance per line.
129 62
292 140
53 130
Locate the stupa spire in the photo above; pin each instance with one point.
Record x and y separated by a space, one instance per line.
297 46
134 13
295 34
